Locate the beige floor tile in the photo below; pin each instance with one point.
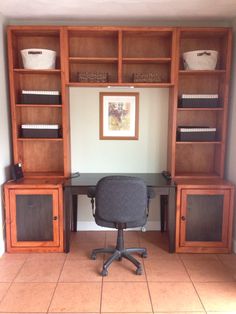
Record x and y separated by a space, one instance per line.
94 237
27 297
40 270
229 258
124 271
176 296
9 269
14 256
157 252
189 256
81 270
207 271
154 237
165 270
229 261
231 312
220 296
3 289
120 297
76 297
83 251
47 256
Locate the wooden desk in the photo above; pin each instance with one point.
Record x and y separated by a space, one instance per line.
79 186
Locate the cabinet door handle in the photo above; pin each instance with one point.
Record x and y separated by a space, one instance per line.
55 218
183 218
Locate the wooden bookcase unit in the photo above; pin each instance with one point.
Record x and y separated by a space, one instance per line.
47 157
200 159
204 214
34 216
120 53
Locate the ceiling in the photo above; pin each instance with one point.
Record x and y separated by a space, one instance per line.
119 9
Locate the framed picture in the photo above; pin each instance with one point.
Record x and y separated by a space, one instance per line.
119 114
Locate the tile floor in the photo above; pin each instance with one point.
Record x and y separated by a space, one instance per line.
70 283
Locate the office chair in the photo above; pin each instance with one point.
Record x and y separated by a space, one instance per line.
120 202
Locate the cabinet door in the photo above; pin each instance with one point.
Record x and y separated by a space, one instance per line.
34 218
204 218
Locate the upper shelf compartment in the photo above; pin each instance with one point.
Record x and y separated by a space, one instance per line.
192 39
26 38
147 44
92 55
102 56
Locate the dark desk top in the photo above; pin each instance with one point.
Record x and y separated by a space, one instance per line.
91 179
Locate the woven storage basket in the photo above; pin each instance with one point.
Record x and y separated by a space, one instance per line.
92 77
149 77
35 58
200 60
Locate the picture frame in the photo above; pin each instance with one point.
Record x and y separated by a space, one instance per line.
119 116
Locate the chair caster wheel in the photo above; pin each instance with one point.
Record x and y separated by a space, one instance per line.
139 271
144 255
93 256
104 272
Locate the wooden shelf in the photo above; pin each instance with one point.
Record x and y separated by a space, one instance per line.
128 84
197 175
40 105
92 60
31 71
146 60
43 174
39 139
201 109
201 72
195 142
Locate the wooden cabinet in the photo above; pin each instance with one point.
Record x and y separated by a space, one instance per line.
40 157
204 216
200 158
120 52
34 217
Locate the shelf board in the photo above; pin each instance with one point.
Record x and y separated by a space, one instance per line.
39 105
196 175
199 72
25 139
31 71
33 174
146 60
201 109
92 60
128 84
195 142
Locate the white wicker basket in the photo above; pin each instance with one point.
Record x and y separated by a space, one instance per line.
35 58
200 60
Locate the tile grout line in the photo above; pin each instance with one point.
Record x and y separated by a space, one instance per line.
147 283
193 285
13 280
56 285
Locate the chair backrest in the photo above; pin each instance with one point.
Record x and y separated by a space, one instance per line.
121 200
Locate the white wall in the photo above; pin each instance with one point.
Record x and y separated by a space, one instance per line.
89 154
4 128
231 152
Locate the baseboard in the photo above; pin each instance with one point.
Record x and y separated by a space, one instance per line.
2 247
92 226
